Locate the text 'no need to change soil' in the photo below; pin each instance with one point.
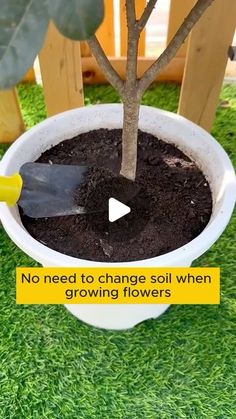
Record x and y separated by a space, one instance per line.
118 285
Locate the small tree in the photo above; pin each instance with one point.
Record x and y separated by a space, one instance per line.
23 26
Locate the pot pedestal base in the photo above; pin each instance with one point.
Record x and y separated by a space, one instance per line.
117 316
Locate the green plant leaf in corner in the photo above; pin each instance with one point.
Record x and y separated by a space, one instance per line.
76 19
23 25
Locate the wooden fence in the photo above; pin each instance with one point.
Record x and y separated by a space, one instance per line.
199 65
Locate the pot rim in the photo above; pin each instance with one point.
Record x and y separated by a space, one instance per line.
189 252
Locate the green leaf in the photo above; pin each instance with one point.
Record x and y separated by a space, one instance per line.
23 25
77 19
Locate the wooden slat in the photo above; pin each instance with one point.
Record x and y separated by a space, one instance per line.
60 65
178 11
206 63
84 49
11 122
29 76
140 4
92 73
106 32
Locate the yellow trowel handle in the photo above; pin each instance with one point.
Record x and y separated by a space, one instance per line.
10 188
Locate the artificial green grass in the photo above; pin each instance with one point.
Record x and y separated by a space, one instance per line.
179 366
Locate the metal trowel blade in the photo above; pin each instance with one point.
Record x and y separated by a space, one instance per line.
51 190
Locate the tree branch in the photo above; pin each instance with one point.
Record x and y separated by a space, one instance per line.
105 65
169 53
132 47
146 14
130 11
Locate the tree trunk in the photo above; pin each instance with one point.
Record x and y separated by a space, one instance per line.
132 89
130 136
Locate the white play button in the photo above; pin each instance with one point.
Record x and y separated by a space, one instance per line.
117 210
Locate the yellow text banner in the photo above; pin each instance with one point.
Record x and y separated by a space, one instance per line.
117 285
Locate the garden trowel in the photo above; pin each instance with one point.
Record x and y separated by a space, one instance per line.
50 190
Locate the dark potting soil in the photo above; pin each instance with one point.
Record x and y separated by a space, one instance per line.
170 201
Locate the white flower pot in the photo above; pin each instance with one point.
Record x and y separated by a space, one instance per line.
190 138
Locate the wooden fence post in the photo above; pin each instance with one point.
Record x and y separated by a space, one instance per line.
178 11
29 76
61 71
206 62
11 122
106 31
